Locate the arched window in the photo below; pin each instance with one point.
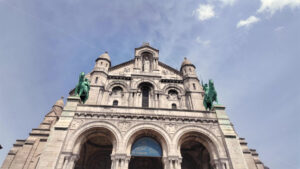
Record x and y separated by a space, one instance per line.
115 103
172 94
117 91
145 96
96 80
146 147
174 106
194 86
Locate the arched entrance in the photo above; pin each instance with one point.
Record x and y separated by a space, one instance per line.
195 151
194 156
96 150
146 153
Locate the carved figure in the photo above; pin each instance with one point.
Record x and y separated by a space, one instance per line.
210 95
146 65
82 88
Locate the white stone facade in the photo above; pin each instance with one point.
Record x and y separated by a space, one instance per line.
139 98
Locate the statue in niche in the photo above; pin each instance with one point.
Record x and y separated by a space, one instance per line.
146 64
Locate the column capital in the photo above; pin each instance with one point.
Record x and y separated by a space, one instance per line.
72 157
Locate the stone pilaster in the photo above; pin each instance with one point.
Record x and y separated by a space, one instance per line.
231 140
58 134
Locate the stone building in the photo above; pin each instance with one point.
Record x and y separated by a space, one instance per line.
139 114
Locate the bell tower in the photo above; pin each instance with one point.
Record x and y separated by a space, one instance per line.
100 71
191 83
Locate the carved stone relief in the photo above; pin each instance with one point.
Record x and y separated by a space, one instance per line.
124 125
76 123
171 127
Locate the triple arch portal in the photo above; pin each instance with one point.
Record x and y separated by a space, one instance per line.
146 153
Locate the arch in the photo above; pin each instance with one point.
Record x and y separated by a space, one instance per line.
147 129
115 103
113 84
138 83
146 146
141 51
174 106
80 136
203 136
117 90
176 87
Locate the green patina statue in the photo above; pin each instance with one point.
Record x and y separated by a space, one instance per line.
82 88
210 95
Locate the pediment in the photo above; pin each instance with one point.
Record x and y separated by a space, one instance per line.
123 68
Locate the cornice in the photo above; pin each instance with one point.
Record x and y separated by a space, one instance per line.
114 115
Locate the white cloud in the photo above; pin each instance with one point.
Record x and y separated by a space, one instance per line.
205 12
203 42
228 2
272 6
245 23
278 29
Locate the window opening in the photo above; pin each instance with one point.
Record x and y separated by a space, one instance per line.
115 103
194 86
145 96
96 80
174 106
117 91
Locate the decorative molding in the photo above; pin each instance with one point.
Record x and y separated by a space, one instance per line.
111 115
76 123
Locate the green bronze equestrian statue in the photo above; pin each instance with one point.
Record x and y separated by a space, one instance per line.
210 95
82 88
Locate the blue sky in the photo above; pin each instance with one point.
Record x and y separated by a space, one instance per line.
250 48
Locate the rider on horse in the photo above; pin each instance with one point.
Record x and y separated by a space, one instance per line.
82 88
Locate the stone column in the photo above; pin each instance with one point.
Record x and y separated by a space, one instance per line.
127 160
172 162
70 161
178 163
120 161
165 162
216 164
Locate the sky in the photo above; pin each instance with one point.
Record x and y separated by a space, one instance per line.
250 48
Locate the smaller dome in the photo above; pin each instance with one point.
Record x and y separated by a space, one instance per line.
105 56
186 62
60 102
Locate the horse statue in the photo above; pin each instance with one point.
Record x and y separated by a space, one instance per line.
210 95
82 88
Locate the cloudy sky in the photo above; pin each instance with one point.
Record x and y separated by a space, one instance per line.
251 48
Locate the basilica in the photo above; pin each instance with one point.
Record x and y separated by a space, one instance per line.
140 114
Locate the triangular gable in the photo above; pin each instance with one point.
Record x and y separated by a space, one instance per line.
169 68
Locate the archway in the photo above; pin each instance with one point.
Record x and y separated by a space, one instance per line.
96 150
195 150
194 156
146 153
